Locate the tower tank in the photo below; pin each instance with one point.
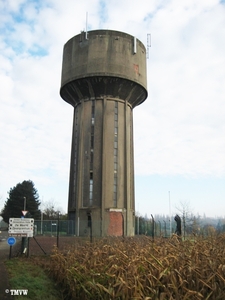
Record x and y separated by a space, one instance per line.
103 78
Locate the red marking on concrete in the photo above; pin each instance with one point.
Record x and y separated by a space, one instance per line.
115 223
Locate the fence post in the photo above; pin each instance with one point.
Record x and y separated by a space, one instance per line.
153 227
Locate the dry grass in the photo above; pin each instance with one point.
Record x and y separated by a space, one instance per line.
137 268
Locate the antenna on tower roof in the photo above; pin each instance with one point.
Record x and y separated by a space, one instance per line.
86 26
148 44
135 45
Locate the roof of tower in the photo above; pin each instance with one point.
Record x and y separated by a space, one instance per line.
104 62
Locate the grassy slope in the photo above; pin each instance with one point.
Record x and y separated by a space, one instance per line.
24 274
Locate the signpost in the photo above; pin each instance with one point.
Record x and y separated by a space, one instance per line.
21 227
11 241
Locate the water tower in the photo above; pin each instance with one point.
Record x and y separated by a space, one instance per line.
103 78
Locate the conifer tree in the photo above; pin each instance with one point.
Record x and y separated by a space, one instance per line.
23 194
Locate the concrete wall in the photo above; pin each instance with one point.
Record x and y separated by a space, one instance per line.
104 58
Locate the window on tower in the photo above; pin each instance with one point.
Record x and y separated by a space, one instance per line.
91 152
115 154
91 189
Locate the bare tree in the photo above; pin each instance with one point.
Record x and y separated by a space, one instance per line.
189 220
50 211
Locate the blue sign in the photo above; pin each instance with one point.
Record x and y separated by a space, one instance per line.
11 241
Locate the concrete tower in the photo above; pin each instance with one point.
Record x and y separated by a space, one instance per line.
103 78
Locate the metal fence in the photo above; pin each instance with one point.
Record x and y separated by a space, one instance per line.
52 227
148 227
154 228
67 228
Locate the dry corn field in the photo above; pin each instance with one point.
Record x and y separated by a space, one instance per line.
138 268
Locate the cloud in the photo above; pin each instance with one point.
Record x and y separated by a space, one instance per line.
183 116
179 129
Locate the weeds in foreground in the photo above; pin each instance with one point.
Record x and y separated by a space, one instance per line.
137 268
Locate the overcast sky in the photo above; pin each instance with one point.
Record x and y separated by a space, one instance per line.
179 131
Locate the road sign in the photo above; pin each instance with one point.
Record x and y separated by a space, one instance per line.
21 234
24 212
19 220
21 227
11 241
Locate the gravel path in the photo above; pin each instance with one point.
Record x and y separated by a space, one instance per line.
4 281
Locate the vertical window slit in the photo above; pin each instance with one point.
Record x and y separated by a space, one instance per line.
91 152
115 154
75 152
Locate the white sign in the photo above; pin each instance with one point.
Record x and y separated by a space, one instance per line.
19 220
21 234
21 227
